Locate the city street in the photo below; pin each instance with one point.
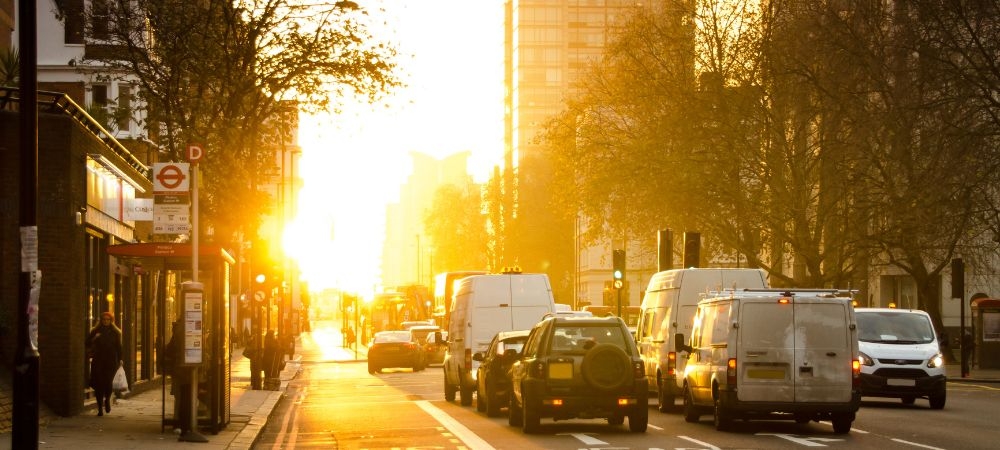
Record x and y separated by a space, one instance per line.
338 404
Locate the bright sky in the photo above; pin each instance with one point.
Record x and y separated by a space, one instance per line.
353 164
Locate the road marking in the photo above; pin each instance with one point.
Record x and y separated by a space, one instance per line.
916 444
586 439
467 436
706 444
807 441
655 427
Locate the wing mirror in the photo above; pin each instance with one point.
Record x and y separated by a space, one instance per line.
680 345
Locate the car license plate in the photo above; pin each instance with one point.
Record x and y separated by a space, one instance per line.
766 374
561 371
900 382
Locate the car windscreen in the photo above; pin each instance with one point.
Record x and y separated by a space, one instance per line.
392 336
581 337
894 327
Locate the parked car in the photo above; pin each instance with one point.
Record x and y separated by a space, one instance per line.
579 367
493 374
423 334
900 356
394 349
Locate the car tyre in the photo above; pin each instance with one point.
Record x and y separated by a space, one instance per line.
492 402
606 368
665 401
722 419
616 419
481 400
908 400
371 369
514 417
449 390
465 392
531 420
842 424
938 400
691 414
639 419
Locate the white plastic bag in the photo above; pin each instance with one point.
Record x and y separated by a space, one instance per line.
120 383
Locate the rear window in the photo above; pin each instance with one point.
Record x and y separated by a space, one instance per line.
392 336
578 338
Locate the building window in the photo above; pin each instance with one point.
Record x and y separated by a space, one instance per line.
99 20
73 13
124 112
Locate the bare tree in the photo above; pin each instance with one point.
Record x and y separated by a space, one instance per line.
221 73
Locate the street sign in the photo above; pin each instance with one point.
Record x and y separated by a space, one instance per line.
170 177
194 153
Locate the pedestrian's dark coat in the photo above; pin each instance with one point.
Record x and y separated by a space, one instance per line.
272 355
104 343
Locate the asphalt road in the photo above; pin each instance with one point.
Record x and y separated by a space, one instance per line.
339 405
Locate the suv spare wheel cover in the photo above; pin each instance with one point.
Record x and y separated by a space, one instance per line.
606 367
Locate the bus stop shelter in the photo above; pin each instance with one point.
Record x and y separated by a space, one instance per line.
171 265
986 329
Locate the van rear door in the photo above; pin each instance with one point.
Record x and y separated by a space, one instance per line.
795 352
530 299
824 350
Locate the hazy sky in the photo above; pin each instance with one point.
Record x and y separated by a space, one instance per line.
451 59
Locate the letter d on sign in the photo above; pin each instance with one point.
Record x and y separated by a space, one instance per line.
195 152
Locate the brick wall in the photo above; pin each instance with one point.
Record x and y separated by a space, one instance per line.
62 152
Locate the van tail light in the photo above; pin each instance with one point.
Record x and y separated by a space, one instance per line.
638 369
537 369
672 363
856 373
731 373
468 359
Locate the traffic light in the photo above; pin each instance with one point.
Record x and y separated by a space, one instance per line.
618 268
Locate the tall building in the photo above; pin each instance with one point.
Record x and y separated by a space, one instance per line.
548 45
406 256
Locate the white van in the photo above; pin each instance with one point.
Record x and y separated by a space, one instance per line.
483 306
668 309
901 356
772 354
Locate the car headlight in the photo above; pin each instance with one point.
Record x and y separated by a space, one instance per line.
865 359
936 361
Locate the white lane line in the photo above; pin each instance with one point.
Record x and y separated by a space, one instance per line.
467 436
916 444
706 444
655 427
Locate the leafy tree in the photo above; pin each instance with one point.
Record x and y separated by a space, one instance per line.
232 75
457 229
10 67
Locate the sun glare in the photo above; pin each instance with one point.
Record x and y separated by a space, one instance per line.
353 164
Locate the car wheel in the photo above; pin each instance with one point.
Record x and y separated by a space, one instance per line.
531 420
616 419
801 419
665 401
371 369
690 410
465 392
722 419
639 419
937 400
449 390
492 402
908 400
842 424
481 400
514 418
606 368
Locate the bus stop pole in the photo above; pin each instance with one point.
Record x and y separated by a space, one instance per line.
191 433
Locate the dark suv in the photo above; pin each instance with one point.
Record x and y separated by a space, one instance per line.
579 367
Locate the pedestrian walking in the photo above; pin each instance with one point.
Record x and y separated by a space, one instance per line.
104 345
272 355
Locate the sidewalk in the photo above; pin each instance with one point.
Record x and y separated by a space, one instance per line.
135 421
